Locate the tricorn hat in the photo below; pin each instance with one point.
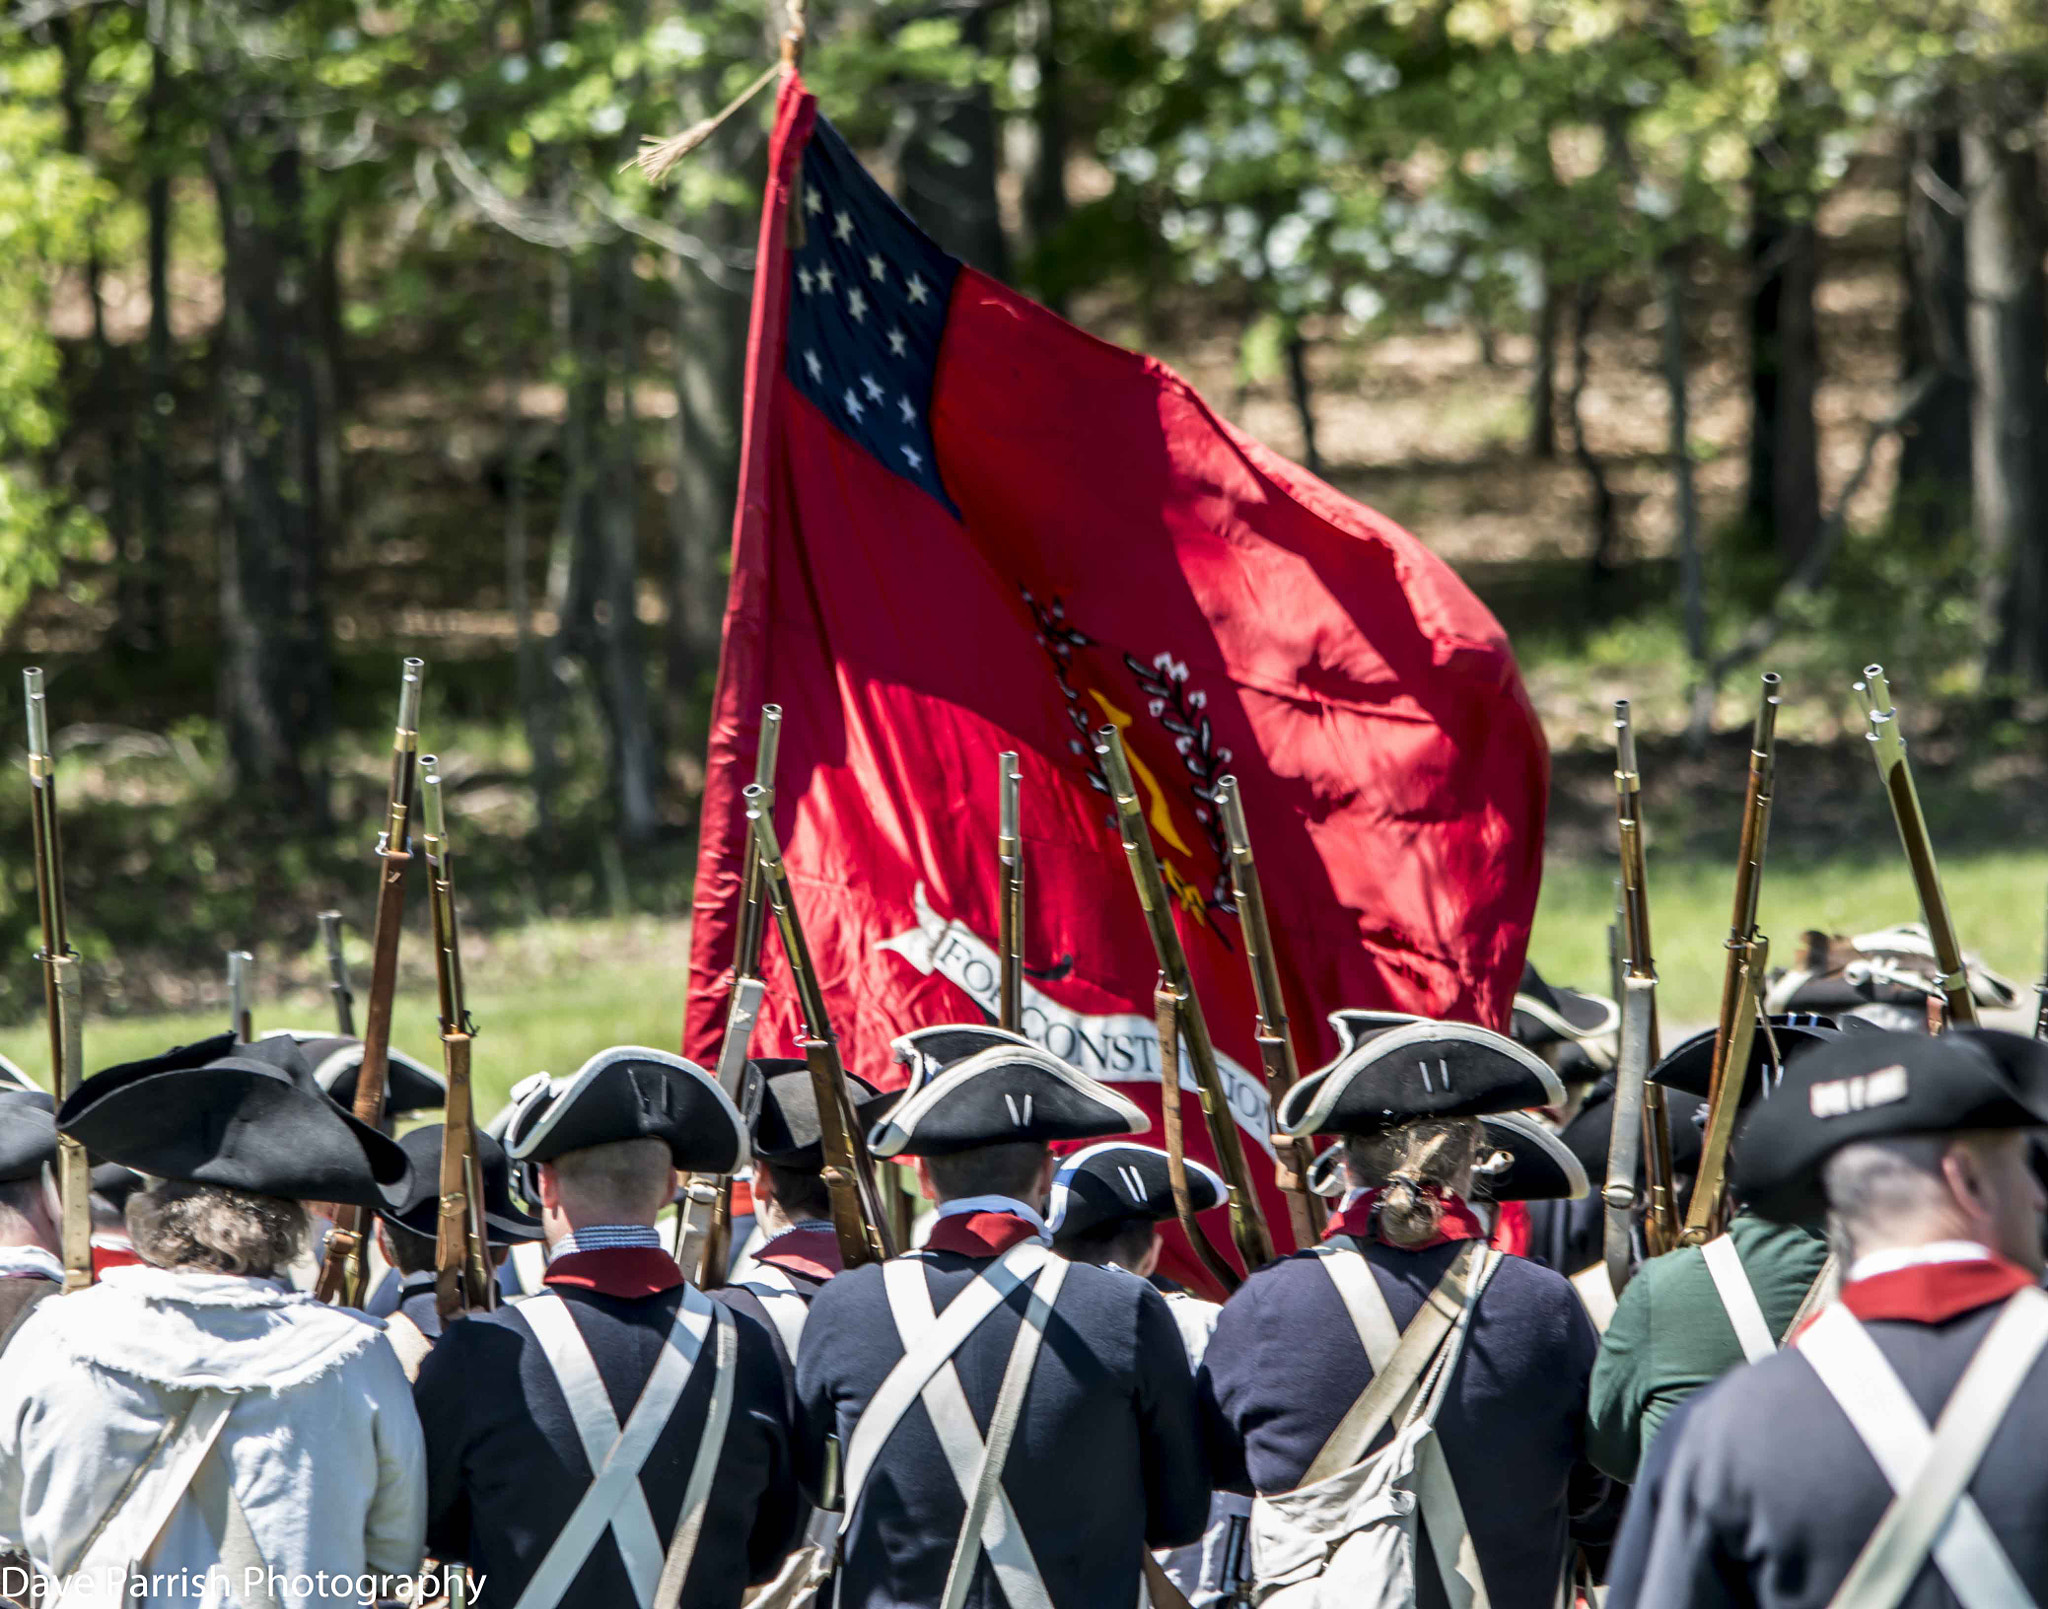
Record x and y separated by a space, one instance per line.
115 1184
629 1093
1589 1136
28 1133
410 1085
1794 1034
420 1211
1354 1026
1119 1180
929 1051
12 1077
244 1117
786 1130
1007 1092
1528 1162
1546 1012
1893 967
1419 1069
1875 1086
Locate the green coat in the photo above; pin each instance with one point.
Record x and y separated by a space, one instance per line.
1670 1336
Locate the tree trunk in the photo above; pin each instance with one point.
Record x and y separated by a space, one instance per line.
951 162
708 382
330 374
1932 501
1046 204
1304 400
1692 585
536 707
1783 500
2008 342
1543 376
275 678
150 621
1606 512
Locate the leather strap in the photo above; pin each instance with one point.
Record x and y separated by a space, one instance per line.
905 1383
1002 1430
1929 1472
1393 1383
960 1440
682 1546
1738 1299
614 1499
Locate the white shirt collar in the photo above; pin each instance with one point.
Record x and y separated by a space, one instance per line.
1009 1204
1893 1258
30 1261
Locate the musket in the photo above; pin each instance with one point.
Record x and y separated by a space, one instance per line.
342 1270
1747 951
337 975
1276 1048
240 963
1180 1017
63 1000
1661 1223
704 1214
462 1270
1010 917
857 1216
1889 750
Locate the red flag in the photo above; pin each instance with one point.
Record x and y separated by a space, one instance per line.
966 526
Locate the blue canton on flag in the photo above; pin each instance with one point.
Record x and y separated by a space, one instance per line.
867 307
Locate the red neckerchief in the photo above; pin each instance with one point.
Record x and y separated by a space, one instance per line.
1361 1220
1511 1228
1933 1293
979 1234
110 1251
623 1271
813 1253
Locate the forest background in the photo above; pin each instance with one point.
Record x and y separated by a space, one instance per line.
1702 336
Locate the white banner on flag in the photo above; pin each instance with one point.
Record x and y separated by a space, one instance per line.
1119 1049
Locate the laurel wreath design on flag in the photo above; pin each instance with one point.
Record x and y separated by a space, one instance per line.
1179 709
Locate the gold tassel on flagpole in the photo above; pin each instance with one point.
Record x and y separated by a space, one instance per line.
658 157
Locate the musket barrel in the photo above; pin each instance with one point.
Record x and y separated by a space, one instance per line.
766 752
38 713
337 974
1010 915
239 963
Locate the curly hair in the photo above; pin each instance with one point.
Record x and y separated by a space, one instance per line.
210 1229
1413 1166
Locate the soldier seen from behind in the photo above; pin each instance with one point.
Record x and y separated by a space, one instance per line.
1012 1428
29 1265
1891 1456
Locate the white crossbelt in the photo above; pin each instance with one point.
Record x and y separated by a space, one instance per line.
616 1456
1738 1298
784 1304
1929 1471
926 1373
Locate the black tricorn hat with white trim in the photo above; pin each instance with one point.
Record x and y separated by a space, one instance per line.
1795 1033
244 1117
1536 1166
929 1051
1119 1180
1874 1086
786 1129
410 1085
12 1077
28 1133
629 1093
1355 1026
1547 1012
1417 1070
420 1211
1004 1093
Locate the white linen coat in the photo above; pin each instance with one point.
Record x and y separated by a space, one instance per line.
322 1448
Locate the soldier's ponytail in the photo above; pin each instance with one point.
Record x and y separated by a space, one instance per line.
1415 1167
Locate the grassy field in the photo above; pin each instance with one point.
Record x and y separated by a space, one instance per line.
550 994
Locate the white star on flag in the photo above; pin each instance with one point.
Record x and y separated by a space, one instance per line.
842 227
909 413
913 457
878 270
803 278
813 202
919 291
811 362
874 391
856 304
853 403
898 342
824 277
